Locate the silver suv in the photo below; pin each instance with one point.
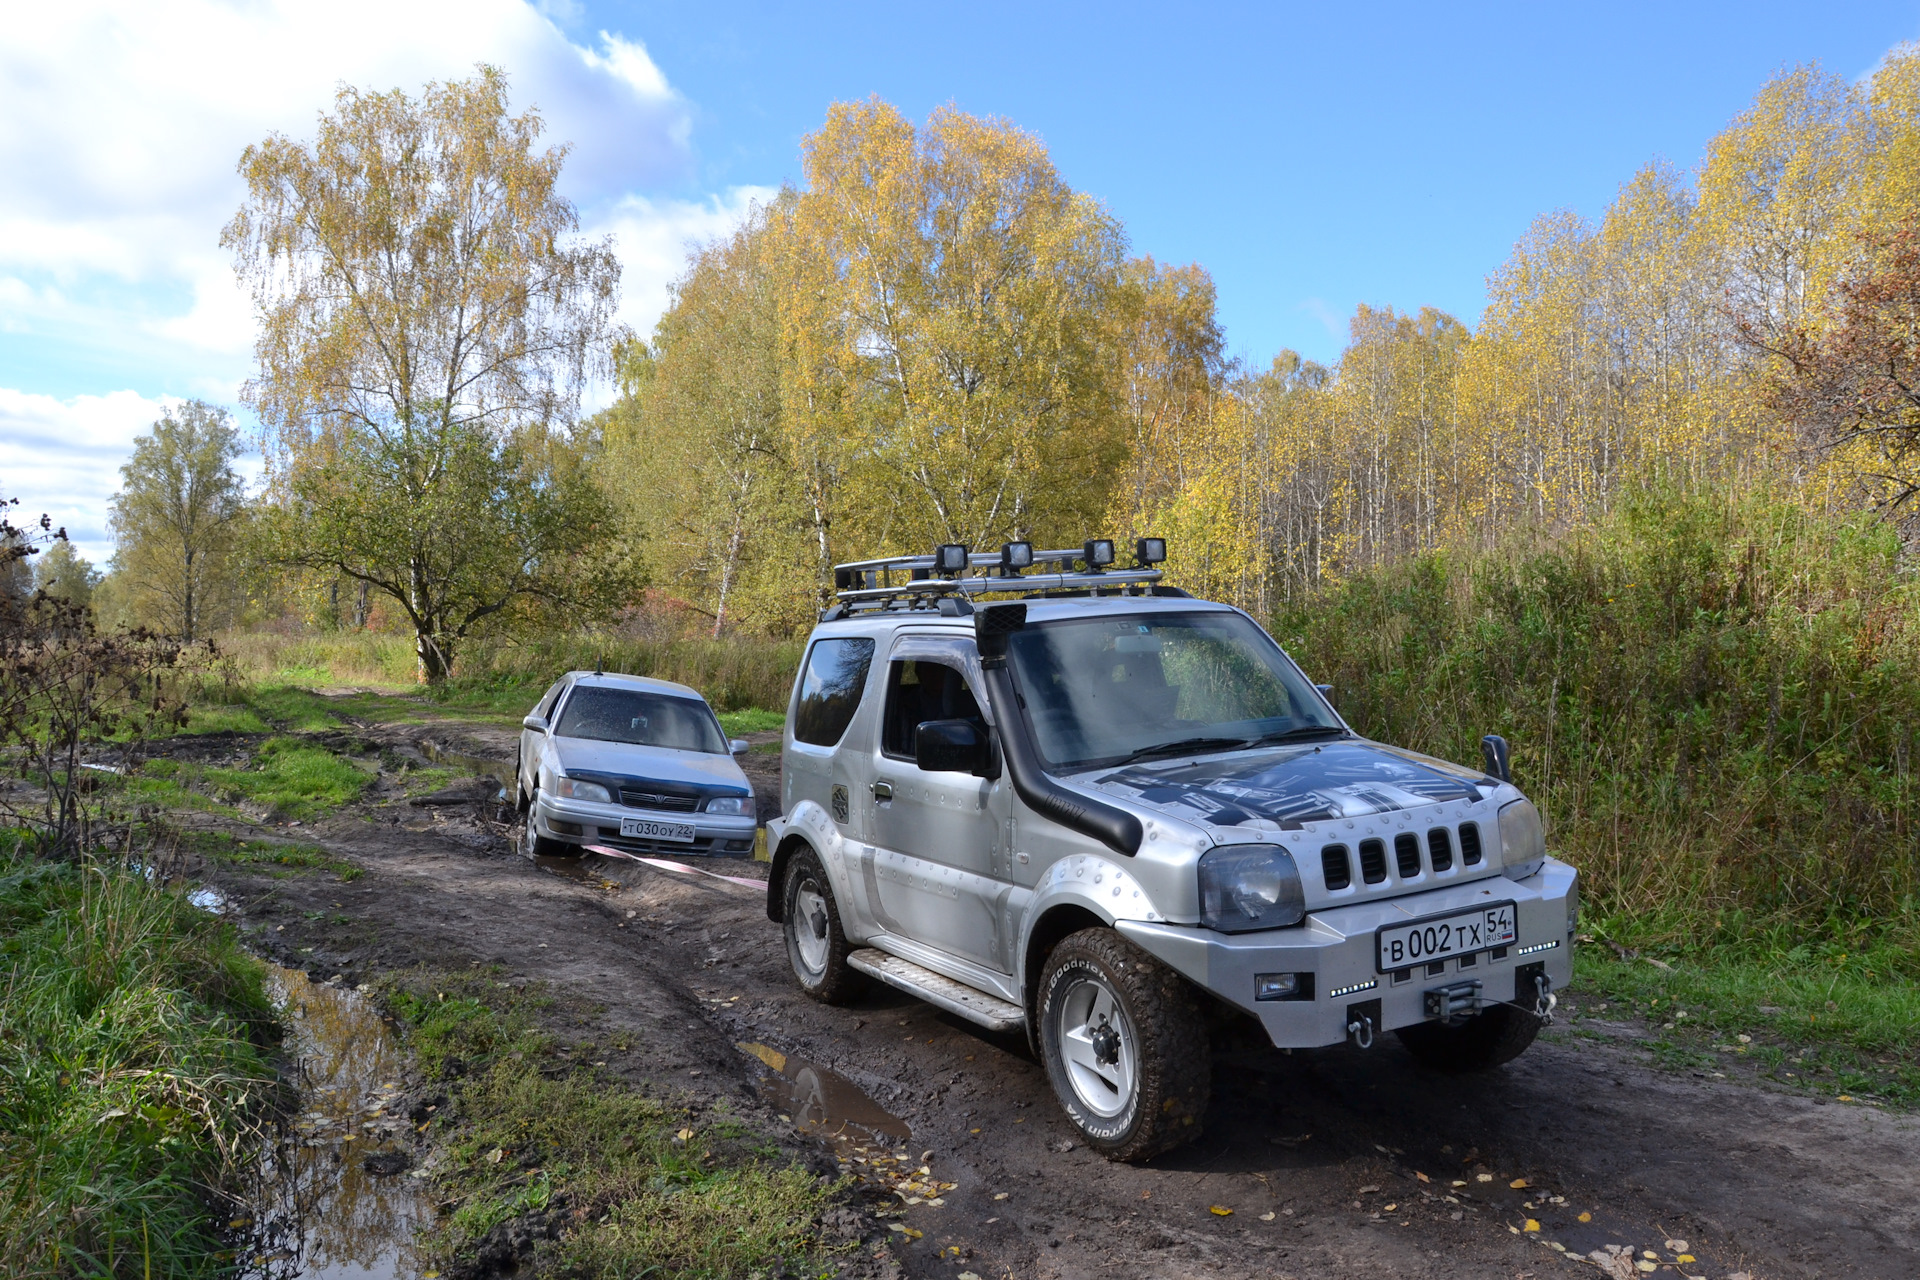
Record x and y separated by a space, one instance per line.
1083 804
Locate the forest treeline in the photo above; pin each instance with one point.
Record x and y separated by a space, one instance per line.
934 338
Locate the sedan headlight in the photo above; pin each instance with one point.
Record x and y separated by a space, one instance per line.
1250 886
575 789
1523 840
730 805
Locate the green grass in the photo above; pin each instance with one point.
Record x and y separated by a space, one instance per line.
294 778
651 1190
265 853
1835 1023
131 1065
752 720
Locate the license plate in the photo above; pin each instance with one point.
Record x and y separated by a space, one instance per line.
647 829
1441 937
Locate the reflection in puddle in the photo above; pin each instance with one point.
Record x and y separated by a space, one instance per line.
500 771
826 1103
318 1212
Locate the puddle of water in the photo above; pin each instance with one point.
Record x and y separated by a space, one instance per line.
825 1103
500 771
317 1212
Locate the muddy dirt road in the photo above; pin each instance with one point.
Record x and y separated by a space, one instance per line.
1334 1163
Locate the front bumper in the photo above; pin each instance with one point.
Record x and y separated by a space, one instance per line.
586 822
1336 947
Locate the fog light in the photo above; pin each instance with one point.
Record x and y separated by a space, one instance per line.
1150 550
1016 556
950 558
1283 986
1098 553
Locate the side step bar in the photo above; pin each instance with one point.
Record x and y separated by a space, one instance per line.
990 1012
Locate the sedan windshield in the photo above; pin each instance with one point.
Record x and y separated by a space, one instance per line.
1105 691
643 719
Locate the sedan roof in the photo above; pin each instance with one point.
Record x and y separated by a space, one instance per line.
646 684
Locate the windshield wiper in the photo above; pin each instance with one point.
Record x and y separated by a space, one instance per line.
1298 733
1179 746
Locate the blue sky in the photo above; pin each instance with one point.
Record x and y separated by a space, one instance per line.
1311 157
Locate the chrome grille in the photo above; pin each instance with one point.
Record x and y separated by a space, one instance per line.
655 800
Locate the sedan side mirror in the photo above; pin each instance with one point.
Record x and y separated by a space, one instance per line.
950 746
1325 691
738 746
536 723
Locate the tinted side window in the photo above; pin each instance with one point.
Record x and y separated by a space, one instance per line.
545 709
918 691
830 687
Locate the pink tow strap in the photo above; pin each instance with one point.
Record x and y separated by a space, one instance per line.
665 865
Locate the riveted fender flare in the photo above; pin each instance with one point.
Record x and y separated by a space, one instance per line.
811 826
1095 883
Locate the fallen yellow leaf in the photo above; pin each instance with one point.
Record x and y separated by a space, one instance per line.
1267 1216
1518 1183
685 1135
1586 1217
1423 1177
1532 1225
1219 1211
1685 1257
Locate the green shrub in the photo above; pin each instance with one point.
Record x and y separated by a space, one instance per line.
1714 700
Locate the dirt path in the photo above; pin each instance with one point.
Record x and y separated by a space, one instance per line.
1334 1163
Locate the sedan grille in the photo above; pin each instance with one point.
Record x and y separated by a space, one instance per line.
654 800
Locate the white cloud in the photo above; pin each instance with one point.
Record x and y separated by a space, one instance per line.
121 125
656 237
63 457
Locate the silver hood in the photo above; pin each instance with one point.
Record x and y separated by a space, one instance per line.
711 774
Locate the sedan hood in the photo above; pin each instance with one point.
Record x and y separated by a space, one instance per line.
1294 785
711 774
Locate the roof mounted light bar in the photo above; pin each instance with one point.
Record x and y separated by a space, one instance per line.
870 584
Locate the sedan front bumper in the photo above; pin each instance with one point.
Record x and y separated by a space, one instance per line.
587 822
1342 981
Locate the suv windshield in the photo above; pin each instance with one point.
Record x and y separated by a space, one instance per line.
1103 691
643 719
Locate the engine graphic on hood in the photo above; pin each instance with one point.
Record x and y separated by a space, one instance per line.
1294 785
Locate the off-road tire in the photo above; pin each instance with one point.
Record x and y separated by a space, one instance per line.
1172 1062
522 798
1491 1038
819 962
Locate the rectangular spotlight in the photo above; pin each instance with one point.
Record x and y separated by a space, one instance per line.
950 558
1016 556
1098 553
1148 551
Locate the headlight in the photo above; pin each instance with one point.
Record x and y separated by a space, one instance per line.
734 805
1250 886
575 789
1523 841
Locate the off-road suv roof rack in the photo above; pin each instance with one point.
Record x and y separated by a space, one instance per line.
943 581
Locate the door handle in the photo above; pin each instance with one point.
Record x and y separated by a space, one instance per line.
883 792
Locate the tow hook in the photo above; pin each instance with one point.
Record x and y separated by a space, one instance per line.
1546 1001
1360 1031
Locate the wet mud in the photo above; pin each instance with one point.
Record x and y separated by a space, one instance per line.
1328 1163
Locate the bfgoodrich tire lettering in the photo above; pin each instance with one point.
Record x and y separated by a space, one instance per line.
817 948
1491 1038
1124 1044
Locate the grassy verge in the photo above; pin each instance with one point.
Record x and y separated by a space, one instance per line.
131 1033
1834 1024
644 1187
266 854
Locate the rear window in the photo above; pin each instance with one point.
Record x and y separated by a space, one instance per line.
829 689
643 719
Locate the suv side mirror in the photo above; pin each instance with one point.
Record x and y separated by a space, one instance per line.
950 746
536 723
738 746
